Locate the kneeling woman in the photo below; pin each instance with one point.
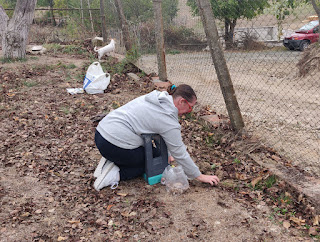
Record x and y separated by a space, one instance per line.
118 136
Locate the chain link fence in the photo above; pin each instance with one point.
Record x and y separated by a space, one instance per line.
280 107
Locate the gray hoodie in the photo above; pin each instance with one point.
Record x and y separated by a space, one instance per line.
151 113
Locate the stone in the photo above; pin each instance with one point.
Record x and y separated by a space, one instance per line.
133 76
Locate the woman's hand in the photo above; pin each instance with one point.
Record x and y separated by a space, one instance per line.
208 179
170 160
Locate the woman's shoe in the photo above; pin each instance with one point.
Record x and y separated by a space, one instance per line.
110 176
102 163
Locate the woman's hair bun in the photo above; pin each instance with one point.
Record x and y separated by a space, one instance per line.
171 89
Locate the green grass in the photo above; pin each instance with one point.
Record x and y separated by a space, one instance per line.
73 49
173 52
11 60
65 110
236 161
267 183
29 83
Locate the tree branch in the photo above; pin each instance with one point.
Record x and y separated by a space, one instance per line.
316 8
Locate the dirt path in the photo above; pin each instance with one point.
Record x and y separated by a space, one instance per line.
48 156
279 108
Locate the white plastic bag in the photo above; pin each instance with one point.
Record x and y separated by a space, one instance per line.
175 179
96 81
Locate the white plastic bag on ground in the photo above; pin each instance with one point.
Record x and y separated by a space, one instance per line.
96 81
175 179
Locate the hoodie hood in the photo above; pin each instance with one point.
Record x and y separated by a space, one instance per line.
163 100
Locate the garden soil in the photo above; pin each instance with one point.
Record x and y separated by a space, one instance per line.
48 157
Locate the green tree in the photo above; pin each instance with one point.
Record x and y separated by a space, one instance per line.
142 10
230 11
281 9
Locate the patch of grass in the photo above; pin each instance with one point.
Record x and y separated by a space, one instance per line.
270 181
285 199
30 83
133 54
236 161
210 139
174 52
42 68
53 47
69 66
267 183
141 74
11 60
316 236
66 110
72 49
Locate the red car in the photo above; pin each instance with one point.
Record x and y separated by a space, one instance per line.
303 37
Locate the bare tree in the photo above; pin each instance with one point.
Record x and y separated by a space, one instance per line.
124 25
15 32
103 21
3 22
220 65
91 20
51 3
161 54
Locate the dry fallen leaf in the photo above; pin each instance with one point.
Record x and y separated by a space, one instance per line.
25 214
255 181
286 224
312 231
74 221
109 206
316 220
241 177
122 194
298 221
60 238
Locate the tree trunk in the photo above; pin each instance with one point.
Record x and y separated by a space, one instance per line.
54 23
220 64
229 27
90 16
124 26
3 22
81 11
161 56
317 9
15 36
103 21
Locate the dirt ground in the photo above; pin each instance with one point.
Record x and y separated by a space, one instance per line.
48 156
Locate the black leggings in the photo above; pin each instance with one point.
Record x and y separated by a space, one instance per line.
130 162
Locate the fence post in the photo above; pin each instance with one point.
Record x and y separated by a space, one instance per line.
124 26
220 64
161 56
103 21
